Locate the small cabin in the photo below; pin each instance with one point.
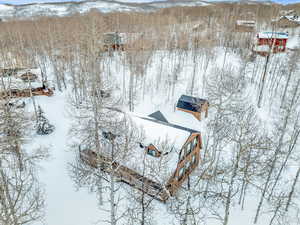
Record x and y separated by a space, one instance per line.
287 21
270 42
160 162
21 83
245 25
113 41
193 105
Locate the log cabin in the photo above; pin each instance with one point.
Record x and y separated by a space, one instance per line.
113 41
21 83
193 105
159 163
286 21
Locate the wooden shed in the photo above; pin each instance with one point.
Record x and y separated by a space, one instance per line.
193 105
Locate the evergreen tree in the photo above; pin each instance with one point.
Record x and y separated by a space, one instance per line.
43 126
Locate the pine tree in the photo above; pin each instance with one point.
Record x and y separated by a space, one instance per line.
43 126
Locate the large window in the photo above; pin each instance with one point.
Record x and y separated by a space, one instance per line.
187 165
182 154
151 152
181 173
194 159
196 141
189 148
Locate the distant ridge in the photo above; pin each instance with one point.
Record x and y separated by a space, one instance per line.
8 11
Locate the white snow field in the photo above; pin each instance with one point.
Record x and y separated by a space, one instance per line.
68 206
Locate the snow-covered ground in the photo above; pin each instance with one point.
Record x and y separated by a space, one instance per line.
41 8
65 205
68 206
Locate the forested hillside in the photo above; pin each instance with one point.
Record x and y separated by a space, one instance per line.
249 167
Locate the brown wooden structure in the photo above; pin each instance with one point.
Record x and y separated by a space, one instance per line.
112 42
193 105
16 93
124 174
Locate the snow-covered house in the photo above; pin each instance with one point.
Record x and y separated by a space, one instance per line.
287 21
245 25
160 162
267 42
193 105
21 82
113 41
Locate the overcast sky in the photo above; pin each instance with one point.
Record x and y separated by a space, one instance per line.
17 2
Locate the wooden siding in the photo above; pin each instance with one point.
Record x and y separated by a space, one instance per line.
25 93
174 183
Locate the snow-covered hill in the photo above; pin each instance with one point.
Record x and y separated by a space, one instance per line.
8 11
67 8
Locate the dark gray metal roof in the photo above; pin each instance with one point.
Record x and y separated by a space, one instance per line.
190 103
159 116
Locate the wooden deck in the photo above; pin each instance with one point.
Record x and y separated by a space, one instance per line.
15 93
125 175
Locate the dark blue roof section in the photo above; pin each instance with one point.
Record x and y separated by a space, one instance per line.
190 103
159 116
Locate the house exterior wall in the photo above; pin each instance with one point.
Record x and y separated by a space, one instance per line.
279 44
176 180
197 115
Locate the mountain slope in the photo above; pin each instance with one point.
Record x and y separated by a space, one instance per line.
8 11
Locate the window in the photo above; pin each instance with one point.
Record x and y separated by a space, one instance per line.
187 165
141 145
182 154
194 159
192 146
181 173
189 148
151 152
195 141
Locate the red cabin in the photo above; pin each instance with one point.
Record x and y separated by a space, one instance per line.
276 40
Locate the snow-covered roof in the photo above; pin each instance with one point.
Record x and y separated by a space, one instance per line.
261 48
184 119
250 23
293 18
15 82
270 34
158 131
20 71
168 138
